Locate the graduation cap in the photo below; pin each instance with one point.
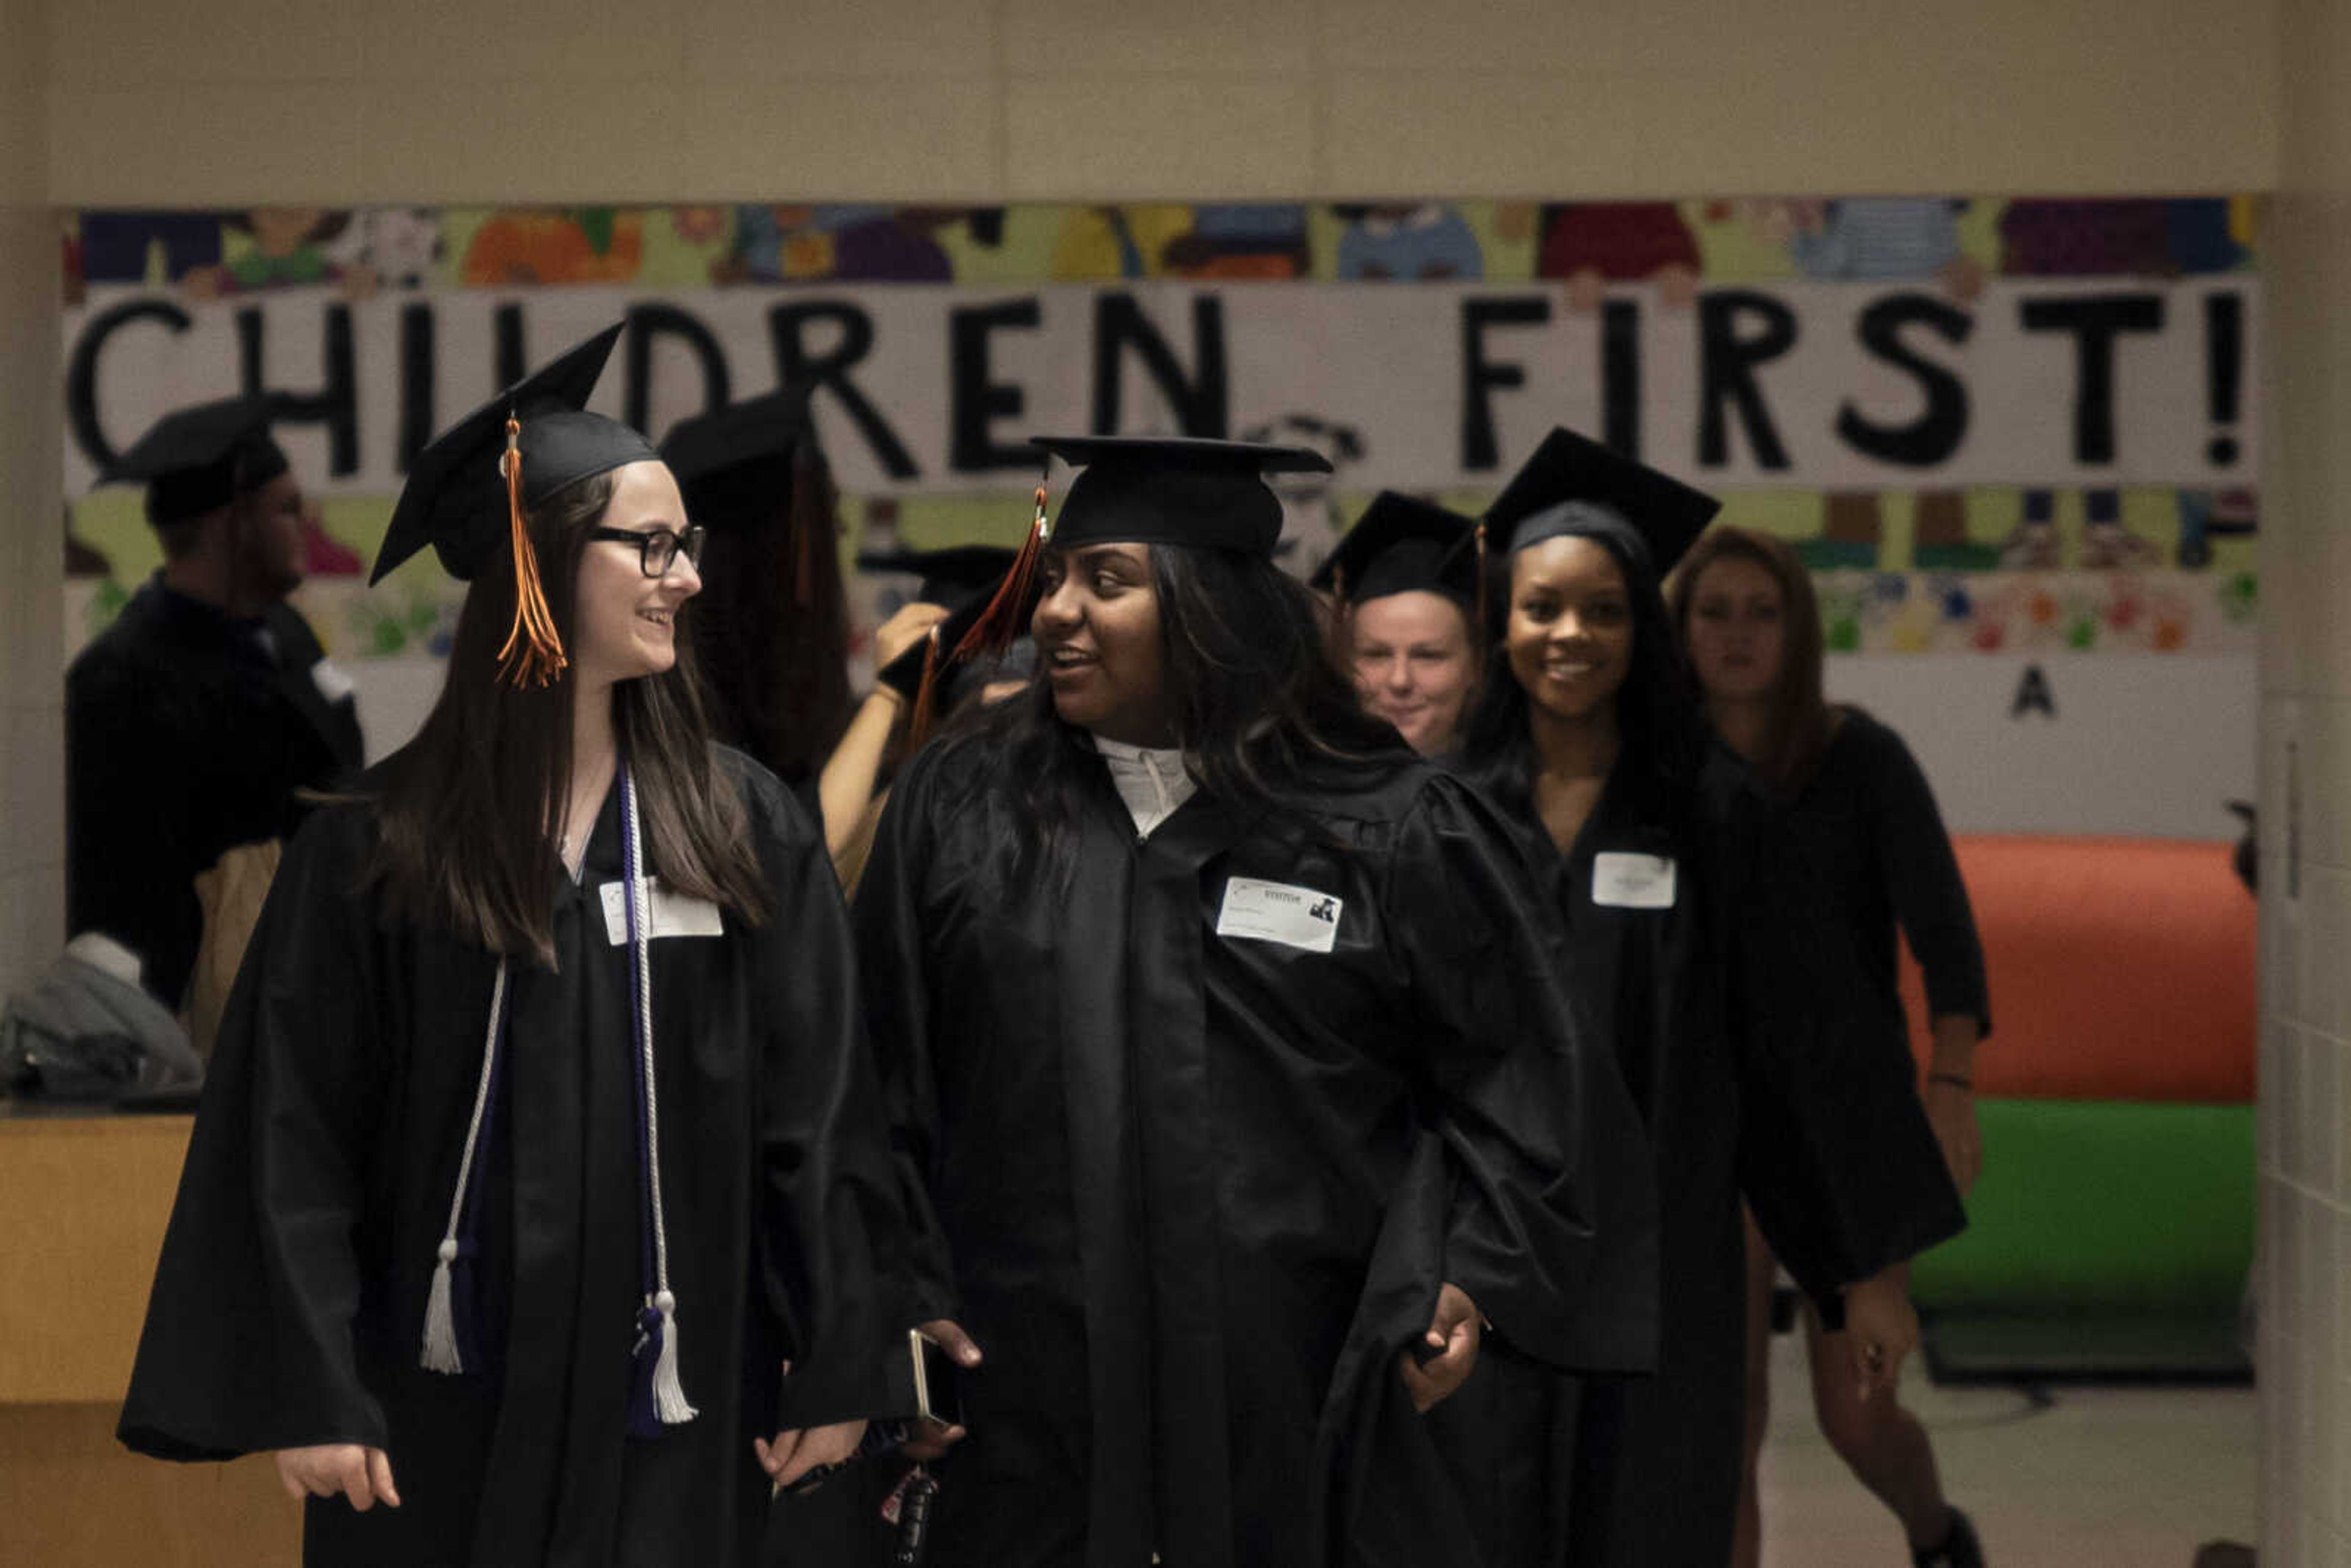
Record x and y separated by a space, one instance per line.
734 463
475 484
1576 486
197 460
1173 490
1401 545
943 659
950 577
1206 495
734 467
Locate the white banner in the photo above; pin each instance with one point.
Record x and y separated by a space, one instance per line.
921 388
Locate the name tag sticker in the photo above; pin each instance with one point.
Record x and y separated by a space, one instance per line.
1276 912
1632 882
674 914
332 684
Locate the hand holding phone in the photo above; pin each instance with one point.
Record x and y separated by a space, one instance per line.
940 1351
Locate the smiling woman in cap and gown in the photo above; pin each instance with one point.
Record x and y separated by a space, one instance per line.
195 721
1406 594
1687 956
1226 1038
542 1130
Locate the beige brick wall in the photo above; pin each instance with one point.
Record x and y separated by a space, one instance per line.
32 771
233 101
2305 766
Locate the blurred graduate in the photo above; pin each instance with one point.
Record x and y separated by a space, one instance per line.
194 723
1407 596
770 627
918 685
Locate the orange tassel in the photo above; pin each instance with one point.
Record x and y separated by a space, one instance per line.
533 654
998 625
918 725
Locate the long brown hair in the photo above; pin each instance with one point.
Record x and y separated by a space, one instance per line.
465 808
771 626
1798 733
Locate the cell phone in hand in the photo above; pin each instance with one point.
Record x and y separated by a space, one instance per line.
937 1399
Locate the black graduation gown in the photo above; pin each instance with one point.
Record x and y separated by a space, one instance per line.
1200 1190
187 733
288 1304
1747 1090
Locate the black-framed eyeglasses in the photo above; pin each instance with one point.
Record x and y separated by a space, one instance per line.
657 549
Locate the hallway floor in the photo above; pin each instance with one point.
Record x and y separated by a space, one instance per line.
2103 1478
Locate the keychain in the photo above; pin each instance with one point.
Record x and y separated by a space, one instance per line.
908 1507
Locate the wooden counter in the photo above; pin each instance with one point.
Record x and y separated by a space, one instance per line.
83 1202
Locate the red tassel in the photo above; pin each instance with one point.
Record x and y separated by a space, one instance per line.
998 625
918 723
533 654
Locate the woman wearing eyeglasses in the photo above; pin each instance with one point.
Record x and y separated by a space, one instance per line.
541 1170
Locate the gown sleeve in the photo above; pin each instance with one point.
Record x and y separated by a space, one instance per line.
891 945
248 1339
1912 852
1552 1214
1837 1158
834 1227
1529 1187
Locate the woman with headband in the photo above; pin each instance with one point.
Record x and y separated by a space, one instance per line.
1590 735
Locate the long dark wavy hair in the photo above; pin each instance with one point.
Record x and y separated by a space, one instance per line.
1264 715
465 808
1800 724
1660 722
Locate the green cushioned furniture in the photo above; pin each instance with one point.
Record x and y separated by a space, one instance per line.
2124 1231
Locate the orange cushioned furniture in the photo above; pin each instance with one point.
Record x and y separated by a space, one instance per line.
2112 1230
2121 969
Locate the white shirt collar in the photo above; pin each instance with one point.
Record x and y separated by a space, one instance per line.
1151 780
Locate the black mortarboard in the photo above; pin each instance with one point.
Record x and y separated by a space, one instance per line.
1173 490
474 484
950 577
941 665
1401 545
455 498
733 464
1572 485
1208 495
197 460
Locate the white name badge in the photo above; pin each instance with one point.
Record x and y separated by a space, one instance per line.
332 684
1633 881
674 914
1276 912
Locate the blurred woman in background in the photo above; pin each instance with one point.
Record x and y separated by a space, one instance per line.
1863 842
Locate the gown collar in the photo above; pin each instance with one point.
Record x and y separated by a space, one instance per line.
602 862
1152 781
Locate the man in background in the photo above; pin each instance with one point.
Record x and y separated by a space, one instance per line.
196 720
